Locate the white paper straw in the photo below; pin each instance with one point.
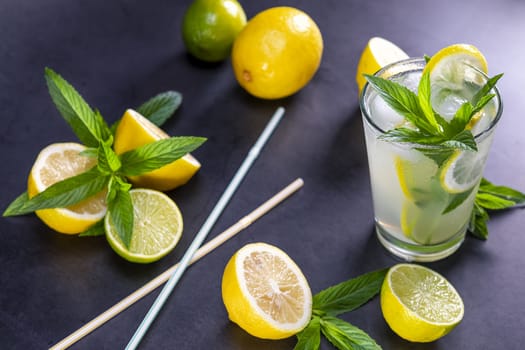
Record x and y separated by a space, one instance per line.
205 229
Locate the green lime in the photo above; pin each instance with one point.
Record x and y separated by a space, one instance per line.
419 304
157 227
209 28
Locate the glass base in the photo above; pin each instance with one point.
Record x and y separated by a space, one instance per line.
419 253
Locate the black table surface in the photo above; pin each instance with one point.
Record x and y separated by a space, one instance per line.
120 53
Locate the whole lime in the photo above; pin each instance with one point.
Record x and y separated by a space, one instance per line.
209 28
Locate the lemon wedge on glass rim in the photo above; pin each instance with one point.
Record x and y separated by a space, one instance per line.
133 131
55 163
378 53
265 292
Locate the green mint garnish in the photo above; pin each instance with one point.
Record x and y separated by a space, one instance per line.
341 298
111 170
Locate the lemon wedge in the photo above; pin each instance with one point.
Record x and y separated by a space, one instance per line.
378 53
133 131
55 163
265 292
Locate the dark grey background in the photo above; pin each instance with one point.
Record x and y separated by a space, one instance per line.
120 53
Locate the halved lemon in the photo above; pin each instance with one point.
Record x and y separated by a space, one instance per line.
265 292
462 171
133 131
55 163
157 227
419 304
378 53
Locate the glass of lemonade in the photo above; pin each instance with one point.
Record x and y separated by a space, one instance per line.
423 199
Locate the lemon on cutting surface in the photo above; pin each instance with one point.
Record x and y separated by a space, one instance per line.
157 227
134 131
419 304
277 53
265 292
55 163
209 28
378 53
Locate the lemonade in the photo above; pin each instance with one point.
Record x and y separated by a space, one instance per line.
423 197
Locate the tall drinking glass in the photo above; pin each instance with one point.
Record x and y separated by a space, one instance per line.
423 197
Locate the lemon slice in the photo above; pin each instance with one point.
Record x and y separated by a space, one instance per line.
414 177
378 53
157 227
419 304
55 163
446 60
134 131
461 171
265 292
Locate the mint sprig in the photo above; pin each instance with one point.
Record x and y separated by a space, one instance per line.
111 170
488 198
333 301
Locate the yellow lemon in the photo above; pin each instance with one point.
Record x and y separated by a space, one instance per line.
419 304
378 53
157 227
134 131
277 53
209 28
55 163
447 60
265 292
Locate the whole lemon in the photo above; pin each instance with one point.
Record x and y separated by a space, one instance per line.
277 53
209 28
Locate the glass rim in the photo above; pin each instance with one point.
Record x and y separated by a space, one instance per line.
418 60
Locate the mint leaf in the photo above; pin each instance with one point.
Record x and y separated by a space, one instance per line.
16 206
89 126
478 222
157 154
463 140
120 209
489 85
310 337
62 194
406 135
161 107
423 95
348 295
457 200
96 229
345 336
402 100
501 191
108 161
493 202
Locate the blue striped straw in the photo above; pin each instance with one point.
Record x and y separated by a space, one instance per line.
205 229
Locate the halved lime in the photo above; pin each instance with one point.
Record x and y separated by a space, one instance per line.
157 227
461 171
419 304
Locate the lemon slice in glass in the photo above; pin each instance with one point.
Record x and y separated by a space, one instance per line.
265 292
55 163
419 304
157 227
378 53
462 171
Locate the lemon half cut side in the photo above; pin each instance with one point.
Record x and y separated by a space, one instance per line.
58 162
265 292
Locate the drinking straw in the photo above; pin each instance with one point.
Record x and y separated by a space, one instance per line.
206 227
162 278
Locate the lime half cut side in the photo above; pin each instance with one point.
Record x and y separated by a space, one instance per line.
157 227
462 171
419 304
